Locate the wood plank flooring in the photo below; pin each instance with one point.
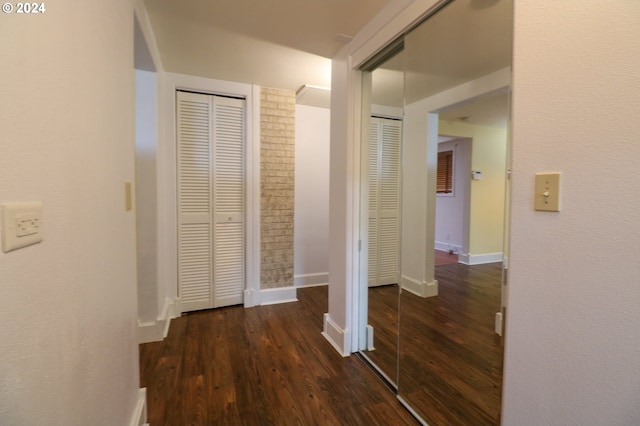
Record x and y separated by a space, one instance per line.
450 357
383 317
267 365
445 258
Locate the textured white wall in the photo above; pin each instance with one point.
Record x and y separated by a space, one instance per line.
149 305
573 319
311 231
68 307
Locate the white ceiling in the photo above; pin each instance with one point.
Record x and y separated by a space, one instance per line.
477 41
490 111
275 43
466 40
287 44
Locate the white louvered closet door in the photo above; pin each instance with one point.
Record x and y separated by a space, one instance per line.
384 205
228 195
374 200
210 151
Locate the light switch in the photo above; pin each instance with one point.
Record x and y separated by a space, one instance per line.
21 224
128 199
547 192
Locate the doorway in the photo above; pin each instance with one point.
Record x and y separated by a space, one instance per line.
211 189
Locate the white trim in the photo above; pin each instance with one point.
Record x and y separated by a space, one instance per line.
384 111
420 288
251 298
498 324
156 331
169 312
166 172
311 280
480 259
253 207
339 338
351 340
149 332
494 82
440 246
141 15
139 416
370 336
390 23
272 296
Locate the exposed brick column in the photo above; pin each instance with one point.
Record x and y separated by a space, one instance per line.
277 161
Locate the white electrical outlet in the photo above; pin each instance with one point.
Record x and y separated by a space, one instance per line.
21 224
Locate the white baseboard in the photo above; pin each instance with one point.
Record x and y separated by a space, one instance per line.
156 331
338 337
149 332
311 280
479 259
251 298
420 288
370 346
139 416
447 246
498 324
271 296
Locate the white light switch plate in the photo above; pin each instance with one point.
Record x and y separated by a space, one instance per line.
21 224
547 192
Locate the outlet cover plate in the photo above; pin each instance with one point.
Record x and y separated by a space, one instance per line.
21 224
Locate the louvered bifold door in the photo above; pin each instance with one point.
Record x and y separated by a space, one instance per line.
228 195
195 233
389 211
374 188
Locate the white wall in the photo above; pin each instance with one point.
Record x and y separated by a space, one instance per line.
573 334
146 195
451 208
311 228
69 354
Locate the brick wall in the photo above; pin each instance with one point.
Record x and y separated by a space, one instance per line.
277 149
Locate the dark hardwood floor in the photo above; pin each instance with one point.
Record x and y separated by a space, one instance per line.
267 365
383 317
450 357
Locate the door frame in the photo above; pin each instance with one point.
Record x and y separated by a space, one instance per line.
168 84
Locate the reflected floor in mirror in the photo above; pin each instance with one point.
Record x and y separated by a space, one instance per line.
383 317
450 356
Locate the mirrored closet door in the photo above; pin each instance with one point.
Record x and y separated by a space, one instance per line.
433 328
457 78
381 155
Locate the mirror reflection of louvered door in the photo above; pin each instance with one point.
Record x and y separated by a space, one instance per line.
385 136
210 152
